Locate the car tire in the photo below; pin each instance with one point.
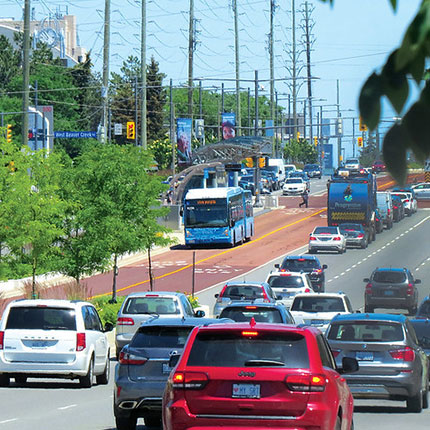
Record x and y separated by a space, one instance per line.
415 403
4 381
126 423
152 420
103 379
426 399
413 310
338 425
20 379
87 380
364 245
368 309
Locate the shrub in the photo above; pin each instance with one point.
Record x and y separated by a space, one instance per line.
108 311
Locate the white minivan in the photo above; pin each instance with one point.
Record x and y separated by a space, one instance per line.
385 206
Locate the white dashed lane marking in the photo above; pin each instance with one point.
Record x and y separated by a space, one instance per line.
63 408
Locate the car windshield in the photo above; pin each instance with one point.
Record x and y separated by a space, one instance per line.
366 331
161 337
238 292
389 277
294 181
245 313
41 318
151 305
295 265
352 161
200 214
286 281
318 304
238 349
326 230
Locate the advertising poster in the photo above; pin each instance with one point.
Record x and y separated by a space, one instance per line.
269 128
183 139
228 125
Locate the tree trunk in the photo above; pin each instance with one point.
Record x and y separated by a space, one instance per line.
33 280
151 277
115 273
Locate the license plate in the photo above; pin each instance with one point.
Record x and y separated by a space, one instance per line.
317 322
364 356
39 344
246 391
166 368
389 293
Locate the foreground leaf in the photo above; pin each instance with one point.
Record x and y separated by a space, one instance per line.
394 151
370 101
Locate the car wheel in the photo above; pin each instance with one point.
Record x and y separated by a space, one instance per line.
87 380
426 399
415 403
153 420
368 309
338 425
4 381
413 310
363 245
103 379
21 379
126 423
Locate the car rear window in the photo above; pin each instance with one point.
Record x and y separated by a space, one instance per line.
325 230
295 265
318 304
245 313
247 291
294 181
161 337
350 227
389 277
285 281
366 331
422 330
41 318
237 350
151 305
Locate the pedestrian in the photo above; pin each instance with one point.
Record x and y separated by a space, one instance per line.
305 197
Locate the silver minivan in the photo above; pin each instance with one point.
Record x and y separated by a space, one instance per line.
385 206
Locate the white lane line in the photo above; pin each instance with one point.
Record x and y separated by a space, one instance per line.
8 421
364 259
337 276
392 241
342 274
354 266
63 408
402 234
397 238
347 270
330 280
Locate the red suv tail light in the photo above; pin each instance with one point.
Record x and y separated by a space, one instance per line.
404 354
312 238
1 339
369 288
336 238
80 342
219 298
190 380
314 383
360 236
410 290
130 359
125 321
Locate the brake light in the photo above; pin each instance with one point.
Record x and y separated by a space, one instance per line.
317 270
283 270
131 359
190 380
410 290
286 274
125 321
396 207
307 290
407 200
250 333
1 339
219 298
404 354
389 211
312 238
335 352
80 342
265 299
313 383
250 307
336 238
369 288
360 236
151 295
301 259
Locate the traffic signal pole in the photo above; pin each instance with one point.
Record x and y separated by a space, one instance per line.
26 73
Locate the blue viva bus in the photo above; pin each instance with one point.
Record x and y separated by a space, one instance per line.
218 215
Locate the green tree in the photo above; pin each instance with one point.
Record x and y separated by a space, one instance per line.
405 64
370 152
162 151
9 63
301 151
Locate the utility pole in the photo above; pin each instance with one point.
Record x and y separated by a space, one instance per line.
136 139
26 75
236 49
272 73
191 45
249 111
294 68
256 104
143 78
308 61
275 130
339 138
172 129
353 137
105 88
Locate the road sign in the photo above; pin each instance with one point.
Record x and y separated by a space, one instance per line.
75 134
131 130
117 130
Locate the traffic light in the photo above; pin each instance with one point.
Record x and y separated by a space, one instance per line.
339 127
9 133
316 140
261 162
249 162
298 135
360 142
362 126
131 130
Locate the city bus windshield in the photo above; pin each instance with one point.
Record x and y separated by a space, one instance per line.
206 214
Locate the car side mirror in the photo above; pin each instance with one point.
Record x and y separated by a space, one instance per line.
277 266
216 295
366 280
173 360
199 314
108 327
324 266
349 365
417 281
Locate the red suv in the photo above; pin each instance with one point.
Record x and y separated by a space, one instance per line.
258 376
378 166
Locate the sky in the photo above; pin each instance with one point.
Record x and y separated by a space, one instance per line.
351 39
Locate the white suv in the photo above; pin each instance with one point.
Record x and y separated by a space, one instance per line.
287 284
53 338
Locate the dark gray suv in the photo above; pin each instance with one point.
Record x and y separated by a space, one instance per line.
391 288
392 365
143 368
